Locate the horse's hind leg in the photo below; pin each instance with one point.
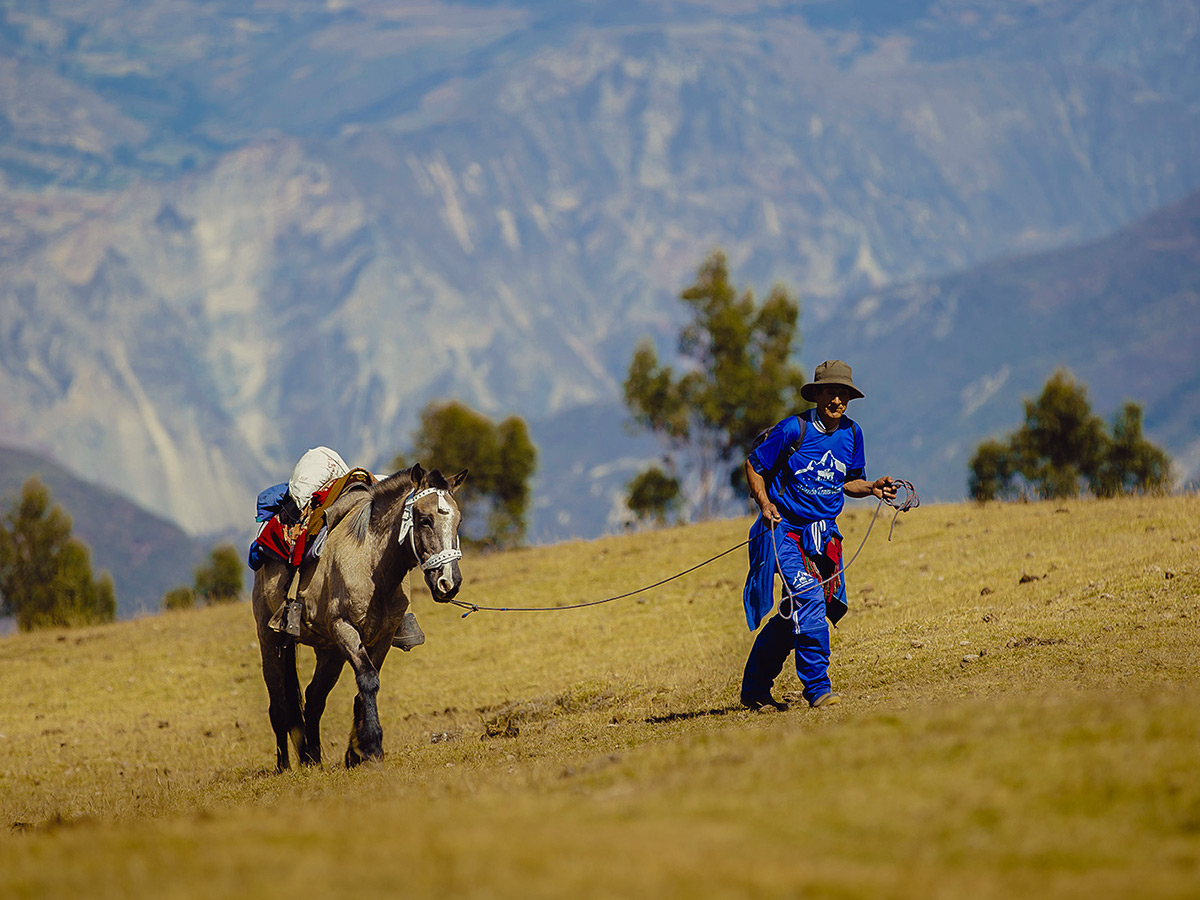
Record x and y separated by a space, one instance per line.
283 693
325 676
293 705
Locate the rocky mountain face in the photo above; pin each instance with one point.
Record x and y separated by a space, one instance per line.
233 231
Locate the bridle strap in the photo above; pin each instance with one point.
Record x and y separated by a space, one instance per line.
437 560
440 558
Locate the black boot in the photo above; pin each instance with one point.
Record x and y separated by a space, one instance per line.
767 656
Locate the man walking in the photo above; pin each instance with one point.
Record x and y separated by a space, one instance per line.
799 476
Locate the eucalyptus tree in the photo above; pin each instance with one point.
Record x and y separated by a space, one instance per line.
737 376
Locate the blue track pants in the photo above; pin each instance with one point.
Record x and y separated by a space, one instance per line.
799 626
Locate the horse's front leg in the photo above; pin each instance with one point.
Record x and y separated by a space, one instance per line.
366 738
325 676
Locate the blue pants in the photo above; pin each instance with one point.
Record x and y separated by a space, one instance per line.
798 626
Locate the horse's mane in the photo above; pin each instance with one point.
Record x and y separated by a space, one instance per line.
391 489
364 508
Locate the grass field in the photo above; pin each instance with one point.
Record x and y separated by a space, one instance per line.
1020 717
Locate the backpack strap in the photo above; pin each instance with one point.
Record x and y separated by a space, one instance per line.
786 452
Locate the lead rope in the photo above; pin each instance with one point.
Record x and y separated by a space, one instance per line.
911 501
472 607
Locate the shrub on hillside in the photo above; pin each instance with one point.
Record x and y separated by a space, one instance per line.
220 581
653 496
178 598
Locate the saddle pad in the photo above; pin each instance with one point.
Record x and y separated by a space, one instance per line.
326 497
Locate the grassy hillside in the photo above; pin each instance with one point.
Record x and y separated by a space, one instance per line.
1020 717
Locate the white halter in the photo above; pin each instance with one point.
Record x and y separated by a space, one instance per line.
406 529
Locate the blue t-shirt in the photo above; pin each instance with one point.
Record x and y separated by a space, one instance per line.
809 488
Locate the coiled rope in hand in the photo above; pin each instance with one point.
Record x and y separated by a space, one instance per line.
910 501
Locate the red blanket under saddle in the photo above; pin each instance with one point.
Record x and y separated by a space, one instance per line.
273 538
287 542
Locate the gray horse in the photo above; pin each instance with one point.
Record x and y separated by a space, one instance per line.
354 601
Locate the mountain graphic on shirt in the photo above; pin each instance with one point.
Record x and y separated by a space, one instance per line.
827 468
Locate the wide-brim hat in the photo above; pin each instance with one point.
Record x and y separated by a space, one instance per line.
832 371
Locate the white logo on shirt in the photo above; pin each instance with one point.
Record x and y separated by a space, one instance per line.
827 468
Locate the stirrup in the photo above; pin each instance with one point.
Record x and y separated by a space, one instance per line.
287 618
295 611
409 634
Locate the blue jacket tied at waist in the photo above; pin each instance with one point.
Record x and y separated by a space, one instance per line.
758 595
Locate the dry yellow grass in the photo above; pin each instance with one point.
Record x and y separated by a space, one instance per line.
997 736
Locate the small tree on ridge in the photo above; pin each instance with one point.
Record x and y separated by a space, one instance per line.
1063 448
738 379
46 575
220 579
494 499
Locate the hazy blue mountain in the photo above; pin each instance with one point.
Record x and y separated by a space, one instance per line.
233 231
947 363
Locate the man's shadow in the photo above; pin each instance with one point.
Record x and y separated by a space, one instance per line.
694 714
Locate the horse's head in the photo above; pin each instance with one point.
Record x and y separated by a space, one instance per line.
435 521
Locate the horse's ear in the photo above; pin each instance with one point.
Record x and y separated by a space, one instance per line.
456 480
416 474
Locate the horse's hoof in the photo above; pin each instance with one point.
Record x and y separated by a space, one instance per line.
353 759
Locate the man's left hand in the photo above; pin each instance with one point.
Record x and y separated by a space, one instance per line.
884 488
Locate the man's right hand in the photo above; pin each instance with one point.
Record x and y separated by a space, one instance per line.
771 513
758 491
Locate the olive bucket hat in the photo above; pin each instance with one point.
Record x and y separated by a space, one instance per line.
832 371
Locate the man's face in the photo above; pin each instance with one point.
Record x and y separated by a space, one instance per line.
831 400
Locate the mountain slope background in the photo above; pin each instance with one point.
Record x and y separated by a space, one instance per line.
145 554
964 351
235 231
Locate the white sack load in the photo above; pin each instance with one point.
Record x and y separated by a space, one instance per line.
317 468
